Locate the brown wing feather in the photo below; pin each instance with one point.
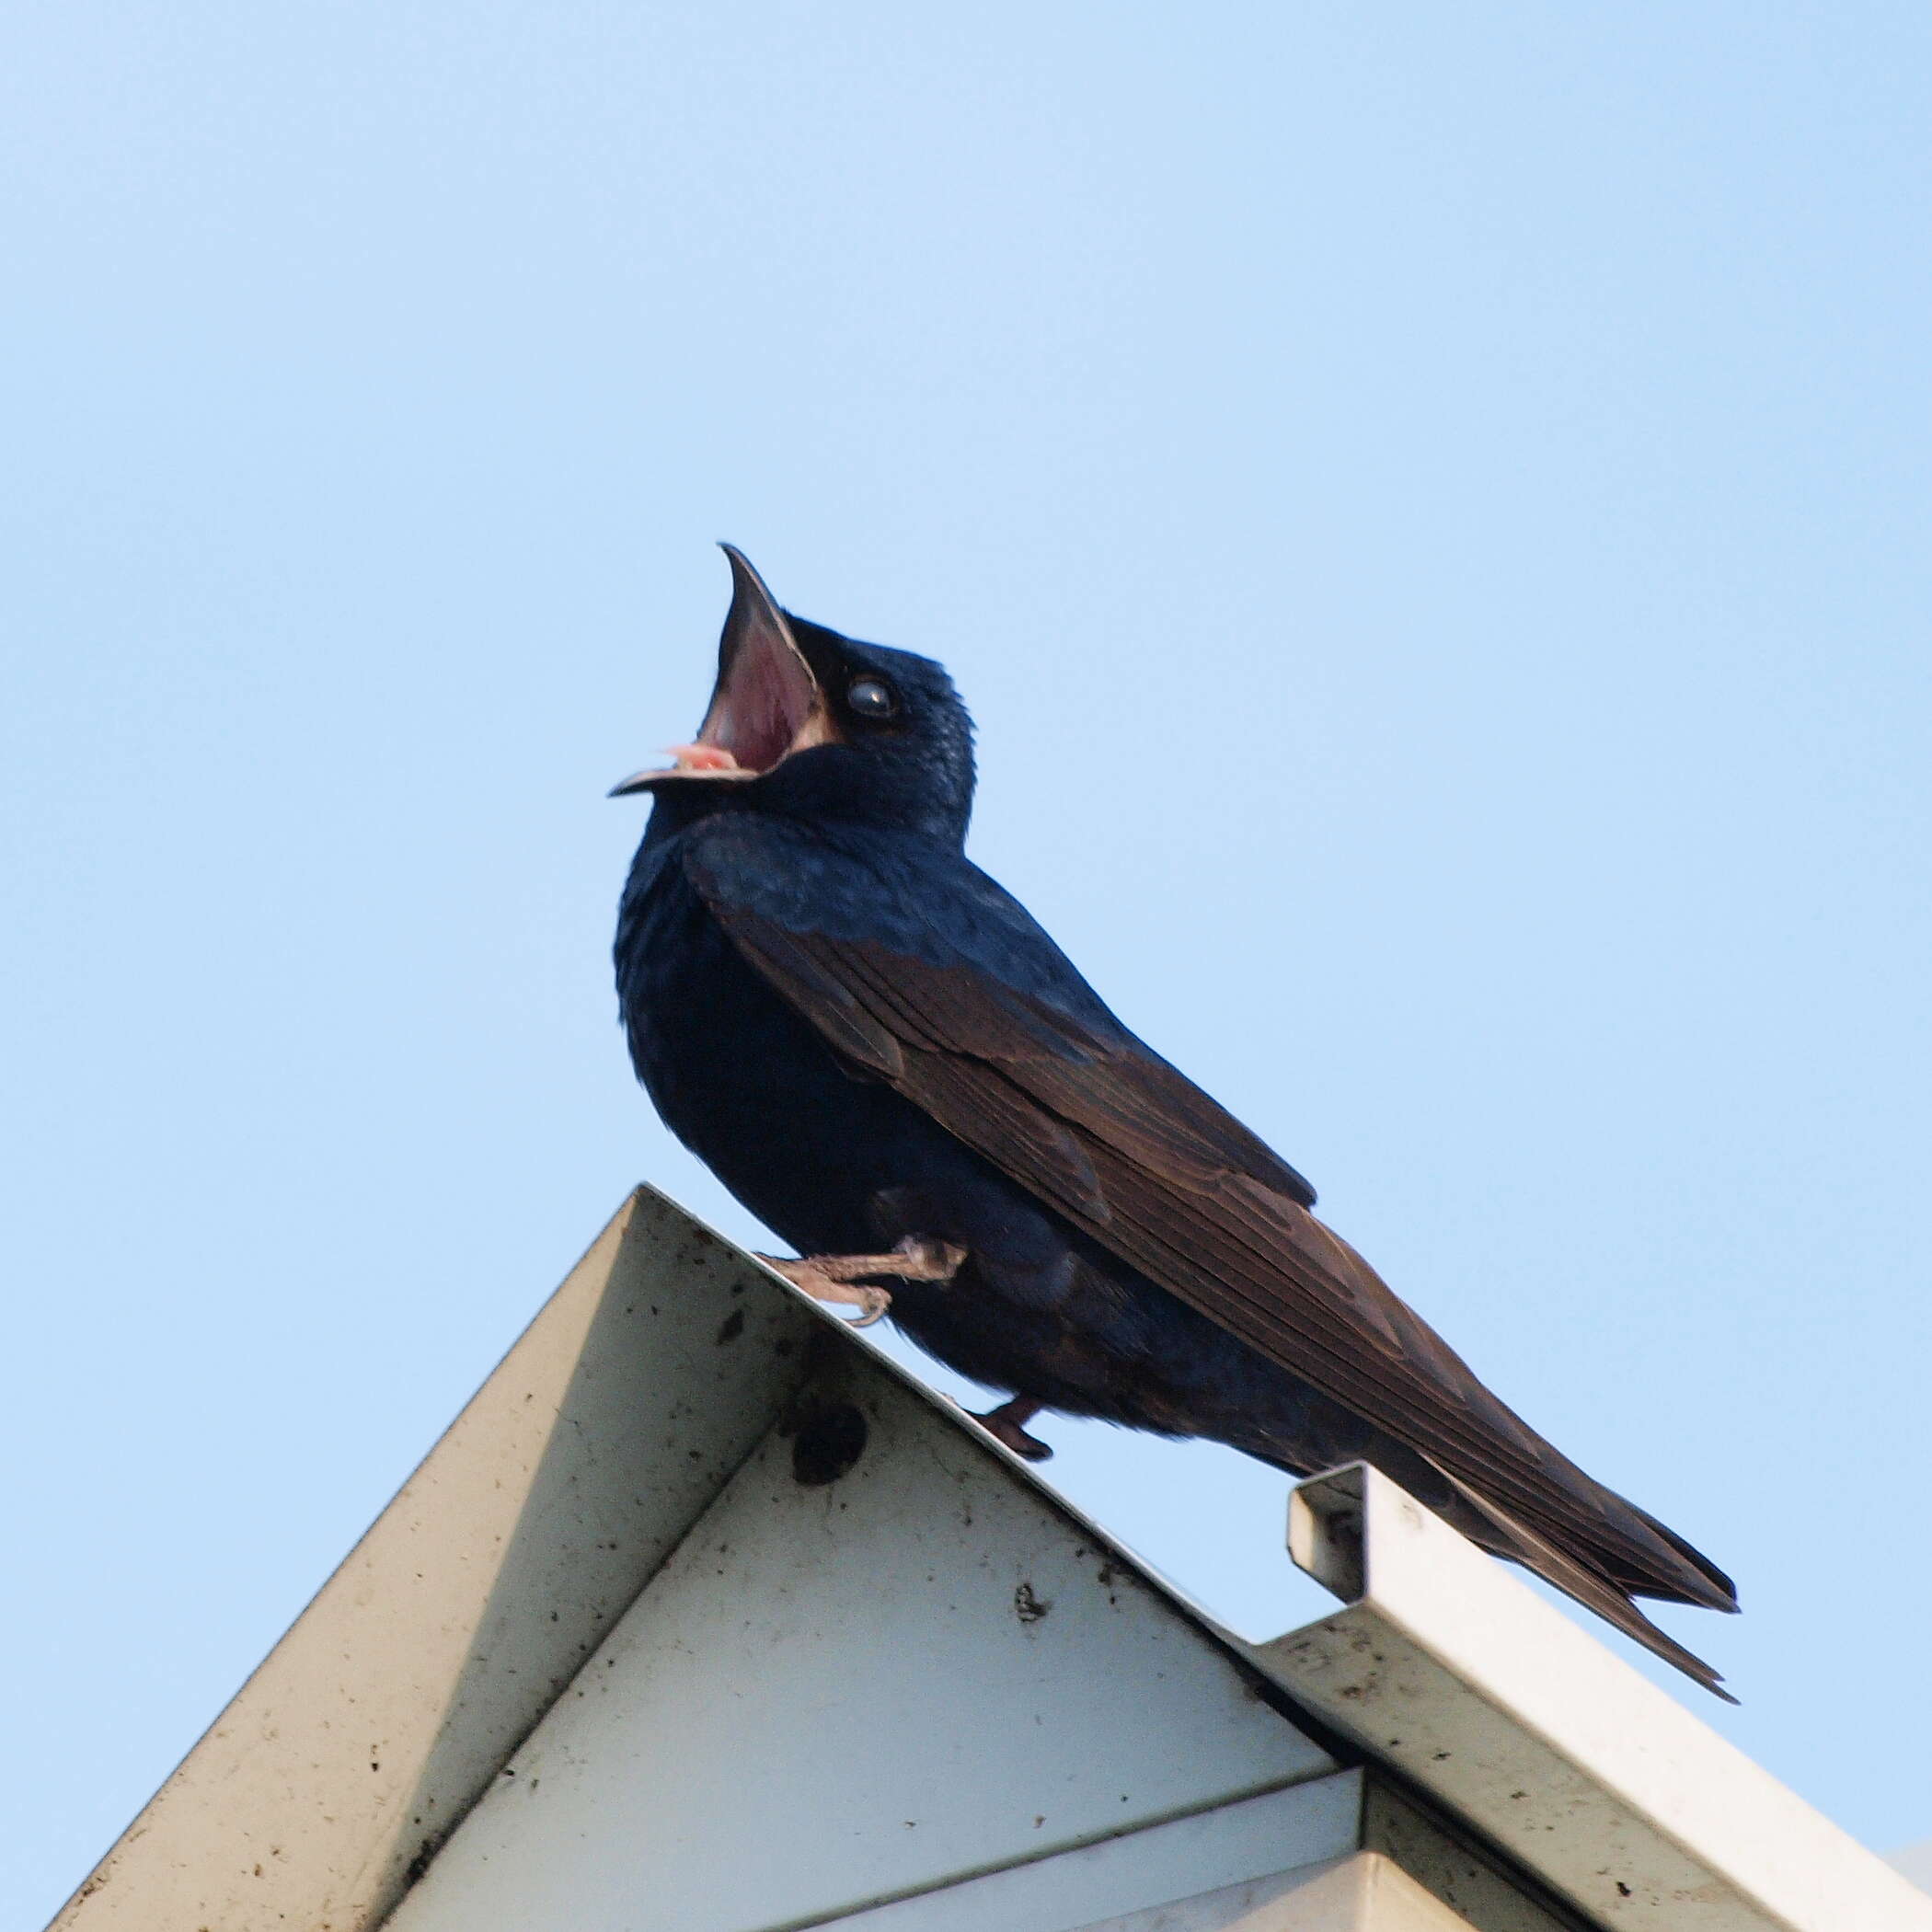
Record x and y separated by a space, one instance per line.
1143 1161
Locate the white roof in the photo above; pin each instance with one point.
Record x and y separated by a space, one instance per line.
645 1522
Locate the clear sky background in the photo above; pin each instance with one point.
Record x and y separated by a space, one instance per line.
1428 505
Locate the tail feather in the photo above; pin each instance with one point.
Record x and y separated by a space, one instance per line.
1590 1586
1716 1590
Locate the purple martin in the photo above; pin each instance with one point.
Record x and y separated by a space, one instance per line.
887 1061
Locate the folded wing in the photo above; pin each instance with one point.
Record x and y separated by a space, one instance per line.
1056 1094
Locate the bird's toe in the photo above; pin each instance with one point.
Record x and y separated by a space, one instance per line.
824 1284
1004 1424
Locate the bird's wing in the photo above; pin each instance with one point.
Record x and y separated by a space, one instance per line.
966 1007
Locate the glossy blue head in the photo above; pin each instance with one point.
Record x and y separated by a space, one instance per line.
810 724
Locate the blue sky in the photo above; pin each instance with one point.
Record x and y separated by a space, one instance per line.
1428 505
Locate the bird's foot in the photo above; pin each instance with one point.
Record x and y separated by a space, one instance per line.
1005 1424
845 1278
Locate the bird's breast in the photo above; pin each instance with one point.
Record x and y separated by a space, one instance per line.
746 1084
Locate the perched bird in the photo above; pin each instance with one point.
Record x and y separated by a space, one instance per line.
885 1058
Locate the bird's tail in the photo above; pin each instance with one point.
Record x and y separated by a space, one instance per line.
1595 1588
1696 1581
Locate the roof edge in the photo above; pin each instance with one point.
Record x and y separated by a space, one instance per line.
1446 1667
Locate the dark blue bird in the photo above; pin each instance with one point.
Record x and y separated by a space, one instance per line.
884 1057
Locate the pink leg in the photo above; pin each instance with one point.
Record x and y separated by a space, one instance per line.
842 1278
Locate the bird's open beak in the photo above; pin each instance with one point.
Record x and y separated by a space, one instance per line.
767 702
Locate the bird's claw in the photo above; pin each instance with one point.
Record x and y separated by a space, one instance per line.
844 1279
871 1302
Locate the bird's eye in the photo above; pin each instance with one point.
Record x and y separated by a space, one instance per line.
871 697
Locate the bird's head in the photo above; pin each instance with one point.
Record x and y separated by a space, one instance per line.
810 724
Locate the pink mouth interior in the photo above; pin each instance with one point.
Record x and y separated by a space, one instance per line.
765 700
